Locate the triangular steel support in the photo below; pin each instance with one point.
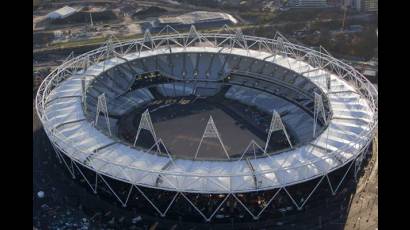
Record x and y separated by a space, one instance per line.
72 68
217 208
102 107
334 190
254 147
115 40
134 45
279 35
57 154
284 48
85 63
162 213
109 48
323 50
166 30
92 59
193 36
328 83
146 124
264 44
314 61
148 38
240 40
83 93
318 109
280 46
193 205
275 125
157 144
358 164
109 51
124 203
211 132
299 207
268 203
69 57
93 187
225 28
280 39
245 207
61 158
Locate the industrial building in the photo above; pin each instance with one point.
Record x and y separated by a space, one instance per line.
62 13
307 3
201 19
370 5
362 5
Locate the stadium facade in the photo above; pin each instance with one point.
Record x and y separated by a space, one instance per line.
325 110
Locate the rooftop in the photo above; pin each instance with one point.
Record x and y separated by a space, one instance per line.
196 17
62 12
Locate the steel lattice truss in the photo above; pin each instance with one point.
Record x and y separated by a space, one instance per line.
102 108
211 132
319 110
146 124
225 39
276 124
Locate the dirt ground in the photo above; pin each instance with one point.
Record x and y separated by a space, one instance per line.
364 209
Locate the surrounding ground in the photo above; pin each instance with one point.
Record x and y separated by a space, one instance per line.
364 210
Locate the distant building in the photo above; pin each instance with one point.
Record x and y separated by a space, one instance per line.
357 5
152 11
355 28
338 3
349 30
362 5
371 75
370 5
62 13
88 15
307 3
234 3
351 4
201 19
370 72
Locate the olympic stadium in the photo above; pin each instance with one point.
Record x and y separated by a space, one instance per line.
209 125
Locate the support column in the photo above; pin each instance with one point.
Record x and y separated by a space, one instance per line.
318 109
211 132
275 125
146 124
102 107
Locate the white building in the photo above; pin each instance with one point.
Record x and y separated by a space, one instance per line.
370 5
353 4
61 13
201 19
363 5
307 3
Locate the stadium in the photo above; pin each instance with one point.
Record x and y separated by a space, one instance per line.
213 127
